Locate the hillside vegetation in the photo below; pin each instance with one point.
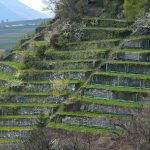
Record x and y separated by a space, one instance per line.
82 78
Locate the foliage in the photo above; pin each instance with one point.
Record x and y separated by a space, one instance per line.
132 8
73 30
142 24
11 84
39 48
45 23
29 59
58 41
59 85
41 121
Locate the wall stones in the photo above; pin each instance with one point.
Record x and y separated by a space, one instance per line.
34 98
7 69
120 95
98 122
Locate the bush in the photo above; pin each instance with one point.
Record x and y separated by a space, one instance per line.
39 48
29 59
73 31
58 41
132 8
14 84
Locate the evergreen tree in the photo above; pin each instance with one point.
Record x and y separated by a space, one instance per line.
42 120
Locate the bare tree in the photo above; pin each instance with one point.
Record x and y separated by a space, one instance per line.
67 9
136 134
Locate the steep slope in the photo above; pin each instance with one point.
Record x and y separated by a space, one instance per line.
15 10
91 86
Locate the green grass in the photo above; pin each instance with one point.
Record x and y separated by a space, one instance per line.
97 41
71 61
38 43
7 140
82 128
138 37
43 93
110 102
14 64
48 105
13 128
117 88
18 117
108 28
3 90
131 50
88 114
48 82
6 76
32 72
49 52
135 76
126 62
105 19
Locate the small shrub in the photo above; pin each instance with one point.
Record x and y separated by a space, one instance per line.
73 30
29 59
41 121
39 48
14 84
132 8
59 85
58 41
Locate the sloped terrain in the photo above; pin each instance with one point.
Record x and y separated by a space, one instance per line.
90 86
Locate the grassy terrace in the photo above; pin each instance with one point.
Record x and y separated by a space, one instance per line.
13 128
3 90
117 88
48 82
7 140
127 62
131 50
129 75
5 76
108 29
56 71
13 64
138 37
18 117
22 52
121 103
38 43
87 114
49 52
71 61
48 105
82 128
43 93
105 19
98 41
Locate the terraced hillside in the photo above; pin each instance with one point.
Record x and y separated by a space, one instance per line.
90 86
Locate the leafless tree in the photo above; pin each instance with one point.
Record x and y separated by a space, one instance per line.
136 134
